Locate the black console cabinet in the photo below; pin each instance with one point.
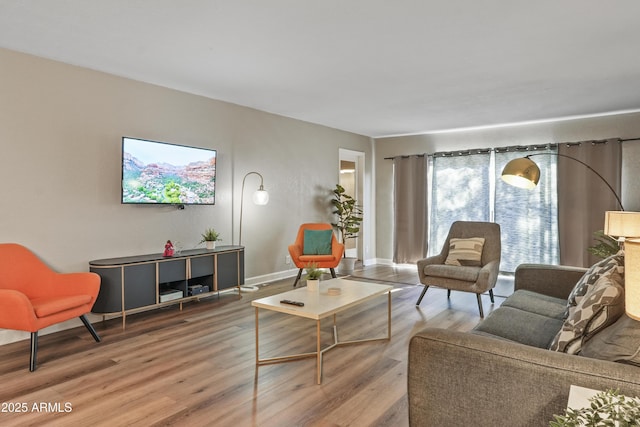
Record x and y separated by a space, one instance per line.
147 281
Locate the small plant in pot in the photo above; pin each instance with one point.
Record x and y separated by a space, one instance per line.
313 276
607 408
349 217
210 237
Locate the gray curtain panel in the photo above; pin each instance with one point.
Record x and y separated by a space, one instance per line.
410 209
583 197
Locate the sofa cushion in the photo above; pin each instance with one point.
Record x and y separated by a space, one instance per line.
537 303
601 306
613 265
619 342
465 252
520 326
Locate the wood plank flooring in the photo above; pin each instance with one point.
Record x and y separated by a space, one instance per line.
196 367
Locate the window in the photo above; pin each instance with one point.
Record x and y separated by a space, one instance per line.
528 218
459 192
469 188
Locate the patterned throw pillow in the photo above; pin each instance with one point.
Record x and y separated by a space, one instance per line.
601 306
467 252
613 265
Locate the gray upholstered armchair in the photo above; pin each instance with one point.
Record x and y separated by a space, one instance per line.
461 271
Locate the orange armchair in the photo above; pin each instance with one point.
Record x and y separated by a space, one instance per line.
328 258
32 296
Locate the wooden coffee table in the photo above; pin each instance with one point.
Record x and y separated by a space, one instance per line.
319 305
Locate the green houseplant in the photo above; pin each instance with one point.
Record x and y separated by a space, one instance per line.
606 245
349 217
210 237
313 276
607 408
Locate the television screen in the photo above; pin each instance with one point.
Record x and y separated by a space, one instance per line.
161 173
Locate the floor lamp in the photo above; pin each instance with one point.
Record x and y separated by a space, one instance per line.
260 197
525 173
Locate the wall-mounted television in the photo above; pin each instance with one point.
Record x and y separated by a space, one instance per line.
156 172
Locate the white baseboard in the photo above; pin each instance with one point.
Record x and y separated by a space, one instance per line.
268 278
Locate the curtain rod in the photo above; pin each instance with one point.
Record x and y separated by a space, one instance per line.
509 148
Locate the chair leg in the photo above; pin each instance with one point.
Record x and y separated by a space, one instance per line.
333 272
491 295
424 291
480 306
448 293
297 278
34 351
89 326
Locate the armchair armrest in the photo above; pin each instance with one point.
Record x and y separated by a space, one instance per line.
553 280
337 249
16 311
488 276
295 251
421 264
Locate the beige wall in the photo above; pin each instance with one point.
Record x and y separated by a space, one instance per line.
60 137
623 126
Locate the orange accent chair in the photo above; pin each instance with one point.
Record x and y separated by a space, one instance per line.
329 260
32 296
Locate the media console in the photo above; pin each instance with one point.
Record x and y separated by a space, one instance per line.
142 282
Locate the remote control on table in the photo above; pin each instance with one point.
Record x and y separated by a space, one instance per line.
298 303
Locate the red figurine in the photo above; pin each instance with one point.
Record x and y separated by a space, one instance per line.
168 249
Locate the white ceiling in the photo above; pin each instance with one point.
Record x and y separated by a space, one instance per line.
373 67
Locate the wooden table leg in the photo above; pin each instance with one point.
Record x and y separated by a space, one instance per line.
257 354
389 315
319 357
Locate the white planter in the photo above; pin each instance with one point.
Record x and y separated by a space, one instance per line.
313 285
347 265
211 244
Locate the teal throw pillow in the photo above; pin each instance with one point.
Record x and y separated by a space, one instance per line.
317 242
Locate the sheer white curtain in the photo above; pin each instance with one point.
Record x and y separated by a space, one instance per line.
468 188
528 218
460 192
410 206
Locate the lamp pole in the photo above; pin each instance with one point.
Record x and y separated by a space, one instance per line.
531 171
260 197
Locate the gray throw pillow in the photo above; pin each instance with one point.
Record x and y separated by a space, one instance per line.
619 342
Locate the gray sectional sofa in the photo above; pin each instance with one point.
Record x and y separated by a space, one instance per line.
504 374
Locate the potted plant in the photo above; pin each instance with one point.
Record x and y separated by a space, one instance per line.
349 216
605 247
210 237
607 408
313 277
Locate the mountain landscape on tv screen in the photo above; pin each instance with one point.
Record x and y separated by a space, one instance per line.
193 183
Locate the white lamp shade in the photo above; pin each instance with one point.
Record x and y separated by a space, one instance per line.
632 278
627 225
622 224
260 197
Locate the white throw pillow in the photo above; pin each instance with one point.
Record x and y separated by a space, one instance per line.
465 252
